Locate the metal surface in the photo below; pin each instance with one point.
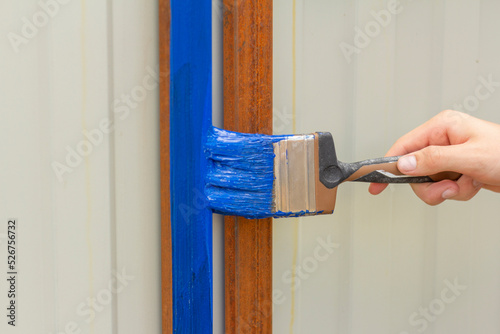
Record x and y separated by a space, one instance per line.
394 253
166 235
190 120
294 174
79 230
248 107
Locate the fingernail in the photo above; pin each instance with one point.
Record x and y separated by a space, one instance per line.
476 184
449 193
407 163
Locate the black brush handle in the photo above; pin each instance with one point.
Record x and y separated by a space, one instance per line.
333 172
385 170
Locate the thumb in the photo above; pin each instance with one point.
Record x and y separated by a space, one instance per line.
434 159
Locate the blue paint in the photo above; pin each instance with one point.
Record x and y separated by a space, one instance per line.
241 174
190 119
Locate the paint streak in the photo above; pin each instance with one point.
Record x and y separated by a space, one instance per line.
190 119
88 221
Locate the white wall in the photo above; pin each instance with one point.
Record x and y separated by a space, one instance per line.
104 214
395 254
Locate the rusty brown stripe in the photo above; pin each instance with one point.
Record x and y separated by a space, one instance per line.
166 242
248 108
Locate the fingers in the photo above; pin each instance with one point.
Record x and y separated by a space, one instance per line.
435 159
432 160
446 128
377 188
437 146
436 193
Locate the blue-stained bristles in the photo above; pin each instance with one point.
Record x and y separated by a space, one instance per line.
240 173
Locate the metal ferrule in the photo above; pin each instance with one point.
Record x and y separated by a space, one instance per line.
294 170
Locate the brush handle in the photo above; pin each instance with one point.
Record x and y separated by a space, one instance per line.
385 170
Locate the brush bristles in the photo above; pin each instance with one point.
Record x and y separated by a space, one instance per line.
240 173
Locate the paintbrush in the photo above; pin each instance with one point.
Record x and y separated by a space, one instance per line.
259 176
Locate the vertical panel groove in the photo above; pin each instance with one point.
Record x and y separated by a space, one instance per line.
112 164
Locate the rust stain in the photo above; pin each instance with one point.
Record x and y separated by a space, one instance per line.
166 238
248 108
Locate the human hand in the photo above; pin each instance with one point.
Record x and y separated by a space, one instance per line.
451 141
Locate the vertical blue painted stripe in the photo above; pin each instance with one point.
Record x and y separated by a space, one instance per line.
190 119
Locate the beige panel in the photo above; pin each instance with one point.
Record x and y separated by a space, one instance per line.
392 255
102 219
137 166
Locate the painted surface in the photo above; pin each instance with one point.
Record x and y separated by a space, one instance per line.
378 263
190 119
92 61
240 173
